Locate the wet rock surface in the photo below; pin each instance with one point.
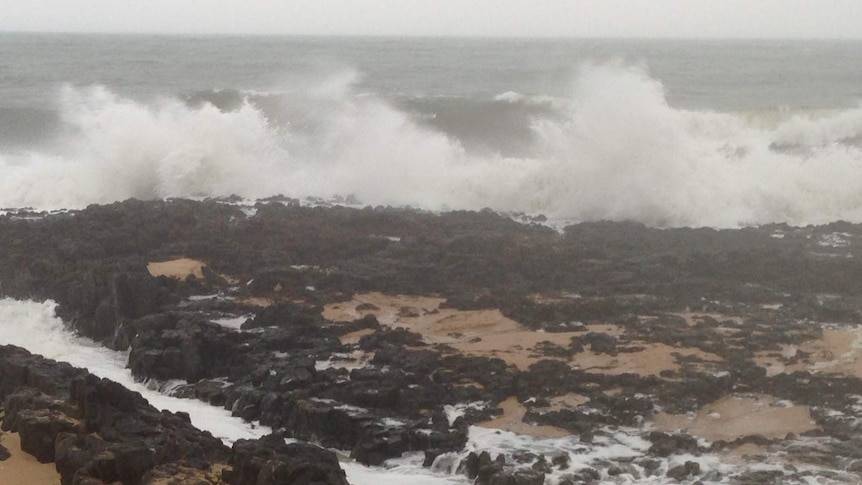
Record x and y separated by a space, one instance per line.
387 332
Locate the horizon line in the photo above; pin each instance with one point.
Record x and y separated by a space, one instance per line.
428 36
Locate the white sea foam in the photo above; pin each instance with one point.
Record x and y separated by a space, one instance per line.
617 150
35 327
233 323
414 475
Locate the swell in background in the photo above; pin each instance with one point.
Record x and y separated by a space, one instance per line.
612 148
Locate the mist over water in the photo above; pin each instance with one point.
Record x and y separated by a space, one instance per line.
607 144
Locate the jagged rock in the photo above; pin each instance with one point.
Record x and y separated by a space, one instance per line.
4 453
650 466
624 469
488 468
289 315
22 369
39 429
171 473
210 391
562 461
270 461
398 338
187 349
759 477
328 422
681 471
470 466
74 452
542 465
667 444
517 477
94 427
376 446
598 342
587 475
297 259
573 420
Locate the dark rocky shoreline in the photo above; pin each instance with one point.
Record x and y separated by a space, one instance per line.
755 293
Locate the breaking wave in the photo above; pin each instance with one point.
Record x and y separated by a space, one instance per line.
614 149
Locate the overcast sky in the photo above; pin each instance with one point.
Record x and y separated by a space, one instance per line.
530 18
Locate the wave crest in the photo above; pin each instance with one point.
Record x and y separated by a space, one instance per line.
614 150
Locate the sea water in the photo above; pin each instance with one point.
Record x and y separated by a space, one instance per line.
668 133
35 326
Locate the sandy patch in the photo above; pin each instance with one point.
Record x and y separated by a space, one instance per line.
652 360
512 420
180 268
477 332
386 308
256 301
22 468
735 417
839 351
566 401
489 333
353 338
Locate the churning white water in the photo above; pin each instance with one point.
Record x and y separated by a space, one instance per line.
614 149
35 327
668 133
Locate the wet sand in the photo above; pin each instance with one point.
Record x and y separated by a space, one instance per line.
839 351
512 420
180 268
735 417
488 333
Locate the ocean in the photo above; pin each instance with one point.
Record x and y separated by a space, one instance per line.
670 133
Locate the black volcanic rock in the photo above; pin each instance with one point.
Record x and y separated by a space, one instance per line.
39 429
305 320
4 453
759 291
182 348
664 444
269 460
680 472
95 428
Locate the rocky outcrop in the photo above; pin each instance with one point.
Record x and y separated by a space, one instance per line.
96 429
613 290
4 453
270 460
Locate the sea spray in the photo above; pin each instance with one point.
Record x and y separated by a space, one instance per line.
615 149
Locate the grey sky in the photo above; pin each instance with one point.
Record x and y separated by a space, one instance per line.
567 18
